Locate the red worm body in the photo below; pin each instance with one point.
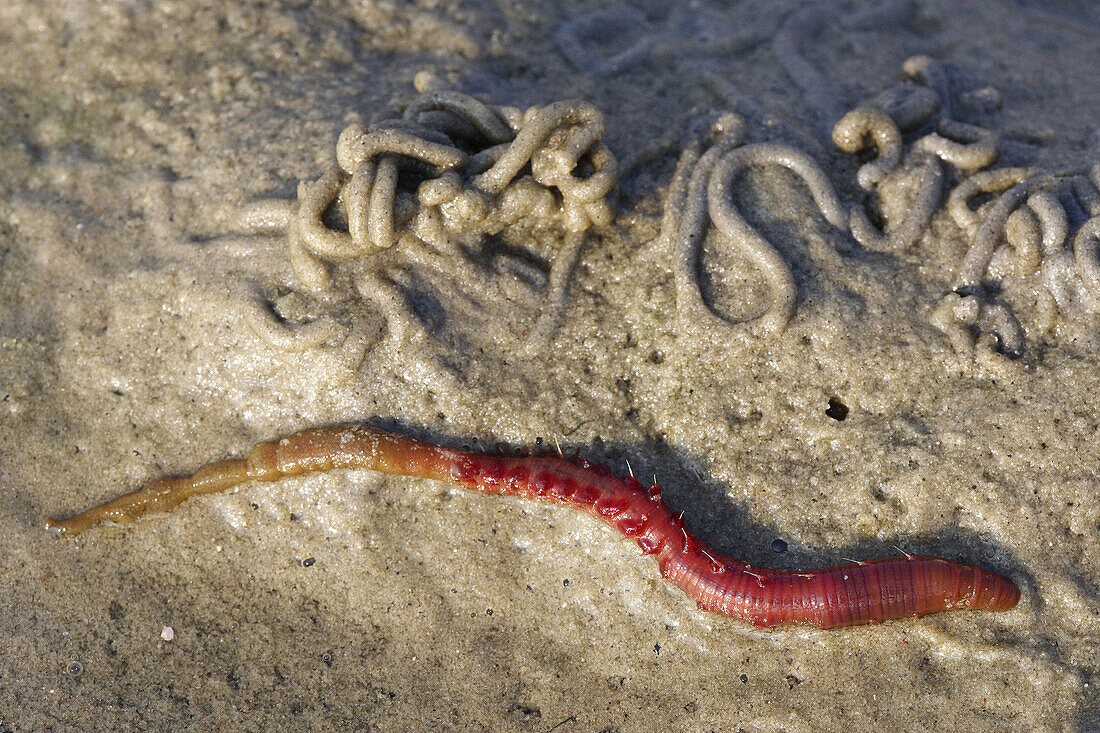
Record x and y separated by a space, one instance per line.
856 593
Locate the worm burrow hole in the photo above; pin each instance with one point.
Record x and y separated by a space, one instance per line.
837 410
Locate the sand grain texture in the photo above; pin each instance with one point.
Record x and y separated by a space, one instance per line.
351 601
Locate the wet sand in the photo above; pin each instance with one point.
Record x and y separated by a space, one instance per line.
353 601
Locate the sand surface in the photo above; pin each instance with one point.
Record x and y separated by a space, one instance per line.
353 601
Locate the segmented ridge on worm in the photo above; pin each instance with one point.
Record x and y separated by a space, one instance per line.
856 593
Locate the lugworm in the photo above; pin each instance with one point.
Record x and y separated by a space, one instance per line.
856 593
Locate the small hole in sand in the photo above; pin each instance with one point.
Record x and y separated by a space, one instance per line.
837 410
